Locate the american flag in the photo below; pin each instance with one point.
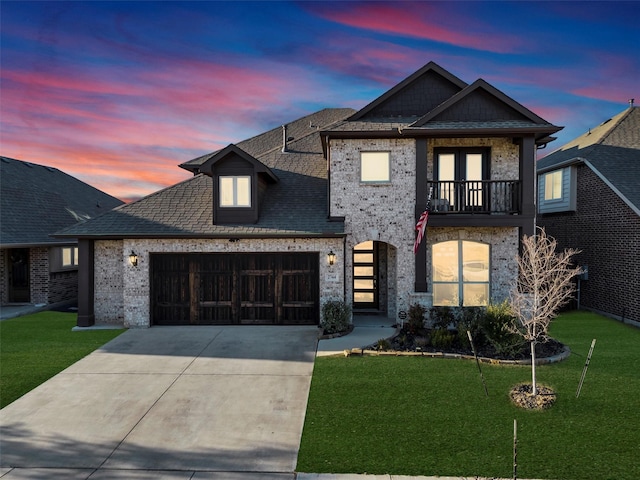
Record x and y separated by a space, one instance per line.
420 228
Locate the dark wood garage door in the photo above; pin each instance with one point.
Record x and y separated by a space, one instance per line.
219 289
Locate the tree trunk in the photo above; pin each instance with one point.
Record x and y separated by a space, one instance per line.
533 368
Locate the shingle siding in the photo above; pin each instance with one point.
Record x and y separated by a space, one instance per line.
608 233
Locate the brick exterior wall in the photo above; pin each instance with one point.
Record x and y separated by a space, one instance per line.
4 277
122 292
63 286
608 233
39 274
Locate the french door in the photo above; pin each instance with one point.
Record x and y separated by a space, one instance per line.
460 174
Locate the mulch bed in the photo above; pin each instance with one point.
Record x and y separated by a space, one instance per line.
522 396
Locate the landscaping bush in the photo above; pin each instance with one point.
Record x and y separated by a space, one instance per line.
494 329
442 317
416 318
335 316
443 339
471 319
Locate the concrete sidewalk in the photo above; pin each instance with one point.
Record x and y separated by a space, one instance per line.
368 329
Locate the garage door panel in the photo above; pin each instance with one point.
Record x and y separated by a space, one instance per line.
209 289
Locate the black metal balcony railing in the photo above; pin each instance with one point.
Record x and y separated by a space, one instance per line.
481 196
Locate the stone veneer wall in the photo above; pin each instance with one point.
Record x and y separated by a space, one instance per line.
63 286
380 212
122 292
109 263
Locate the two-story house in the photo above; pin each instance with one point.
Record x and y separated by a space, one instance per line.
325 208
589 199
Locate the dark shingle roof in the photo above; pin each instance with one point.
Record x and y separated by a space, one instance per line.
38 200
295 206
612 150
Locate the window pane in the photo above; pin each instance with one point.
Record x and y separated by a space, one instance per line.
66 257
374 167
445 262
475 294
363 258
553 185
363 297
474 166
364 246
445 294
363 271
475 258
243 192
366 284
75 256
226 191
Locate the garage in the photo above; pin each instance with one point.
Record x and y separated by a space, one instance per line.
242 288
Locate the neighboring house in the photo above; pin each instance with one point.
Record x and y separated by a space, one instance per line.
37 201
589 199
325 208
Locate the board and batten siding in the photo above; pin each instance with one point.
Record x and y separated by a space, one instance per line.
568 200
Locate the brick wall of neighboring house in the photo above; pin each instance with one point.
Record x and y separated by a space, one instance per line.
4 277
63 286
608 233
122 292
39 274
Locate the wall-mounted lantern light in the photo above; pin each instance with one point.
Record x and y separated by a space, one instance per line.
133 259
331 257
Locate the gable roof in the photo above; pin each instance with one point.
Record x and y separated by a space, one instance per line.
433 102
611 150
295 206
207 167
37 201
415 95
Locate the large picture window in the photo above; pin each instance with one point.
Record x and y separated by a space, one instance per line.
375 167
461 273
235 191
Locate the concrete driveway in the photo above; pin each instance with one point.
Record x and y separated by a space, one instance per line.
193 402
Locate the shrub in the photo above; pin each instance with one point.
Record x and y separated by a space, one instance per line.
335 316
416 318
442 317
494 328
383 345
471 319
442 339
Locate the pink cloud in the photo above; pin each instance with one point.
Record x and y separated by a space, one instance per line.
429 21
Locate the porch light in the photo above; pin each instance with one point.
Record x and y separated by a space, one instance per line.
133 259
331 257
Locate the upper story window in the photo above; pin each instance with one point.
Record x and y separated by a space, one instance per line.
557 190
235 191
461 273
375 167
553 185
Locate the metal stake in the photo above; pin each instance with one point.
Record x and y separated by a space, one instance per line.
473 349
584 370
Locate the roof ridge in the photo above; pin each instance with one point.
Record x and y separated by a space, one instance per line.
616 124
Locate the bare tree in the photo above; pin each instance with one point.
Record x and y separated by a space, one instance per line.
545 284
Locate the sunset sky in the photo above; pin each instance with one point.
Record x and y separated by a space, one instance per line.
118 94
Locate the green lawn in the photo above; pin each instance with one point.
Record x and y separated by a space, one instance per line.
424 416
35 347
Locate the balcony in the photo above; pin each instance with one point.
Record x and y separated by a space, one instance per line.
481 197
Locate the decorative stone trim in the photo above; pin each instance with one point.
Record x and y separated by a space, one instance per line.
493 361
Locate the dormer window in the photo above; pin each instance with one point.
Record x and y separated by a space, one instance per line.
235 191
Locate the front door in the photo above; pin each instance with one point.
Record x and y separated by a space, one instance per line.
365 275
19 291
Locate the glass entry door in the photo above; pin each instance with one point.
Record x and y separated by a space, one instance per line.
365 275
